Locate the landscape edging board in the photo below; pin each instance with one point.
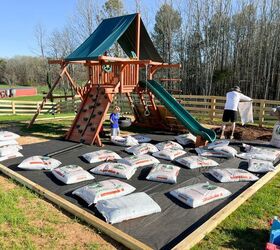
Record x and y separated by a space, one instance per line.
197 235
99 224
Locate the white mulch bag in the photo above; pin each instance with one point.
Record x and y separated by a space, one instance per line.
218 143
124 141
260 166
259 156
127 207
7 150
275 140
196 162
72 174
143 148
168 145
227 151
209 153
185 139
139 160
260 153
8 143
6 135
232 175
115 169
101 155
11 156
169 154
103 190
39 163
246 112
164 173
142 138
200 194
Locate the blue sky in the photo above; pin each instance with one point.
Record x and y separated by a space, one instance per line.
18 19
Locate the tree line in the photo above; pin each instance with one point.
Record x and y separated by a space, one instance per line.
219 43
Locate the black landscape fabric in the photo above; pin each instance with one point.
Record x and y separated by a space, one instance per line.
160 231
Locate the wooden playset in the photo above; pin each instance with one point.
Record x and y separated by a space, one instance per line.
108 76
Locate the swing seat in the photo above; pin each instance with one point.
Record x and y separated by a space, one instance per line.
124 122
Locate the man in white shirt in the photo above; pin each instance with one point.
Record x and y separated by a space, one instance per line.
233 98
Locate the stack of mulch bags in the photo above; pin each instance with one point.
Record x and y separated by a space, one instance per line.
9 147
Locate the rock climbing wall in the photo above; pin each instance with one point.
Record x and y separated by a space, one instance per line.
88 121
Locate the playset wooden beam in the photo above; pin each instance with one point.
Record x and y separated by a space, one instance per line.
115 60
111 58
137 35
152 100
74 85
62 61
137 43
64 68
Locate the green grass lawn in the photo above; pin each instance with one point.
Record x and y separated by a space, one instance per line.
36 98
46 126
28 222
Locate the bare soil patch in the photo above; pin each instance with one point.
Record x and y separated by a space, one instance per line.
247 132
6 184
24 140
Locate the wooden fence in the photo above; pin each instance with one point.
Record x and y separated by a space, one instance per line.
213 106
30 107
210 107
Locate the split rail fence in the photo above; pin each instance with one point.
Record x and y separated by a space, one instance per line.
30 107
209 107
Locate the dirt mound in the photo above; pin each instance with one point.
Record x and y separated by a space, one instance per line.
247 132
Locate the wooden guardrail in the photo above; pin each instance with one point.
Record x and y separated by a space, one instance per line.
209 106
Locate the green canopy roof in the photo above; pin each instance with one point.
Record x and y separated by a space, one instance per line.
118 29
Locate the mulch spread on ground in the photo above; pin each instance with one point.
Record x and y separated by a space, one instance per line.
248 132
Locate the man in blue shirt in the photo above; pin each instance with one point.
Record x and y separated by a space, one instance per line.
114 120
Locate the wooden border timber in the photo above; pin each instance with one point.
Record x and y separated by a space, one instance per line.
108 229
196 236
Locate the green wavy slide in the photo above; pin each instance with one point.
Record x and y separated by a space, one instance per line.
179 112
